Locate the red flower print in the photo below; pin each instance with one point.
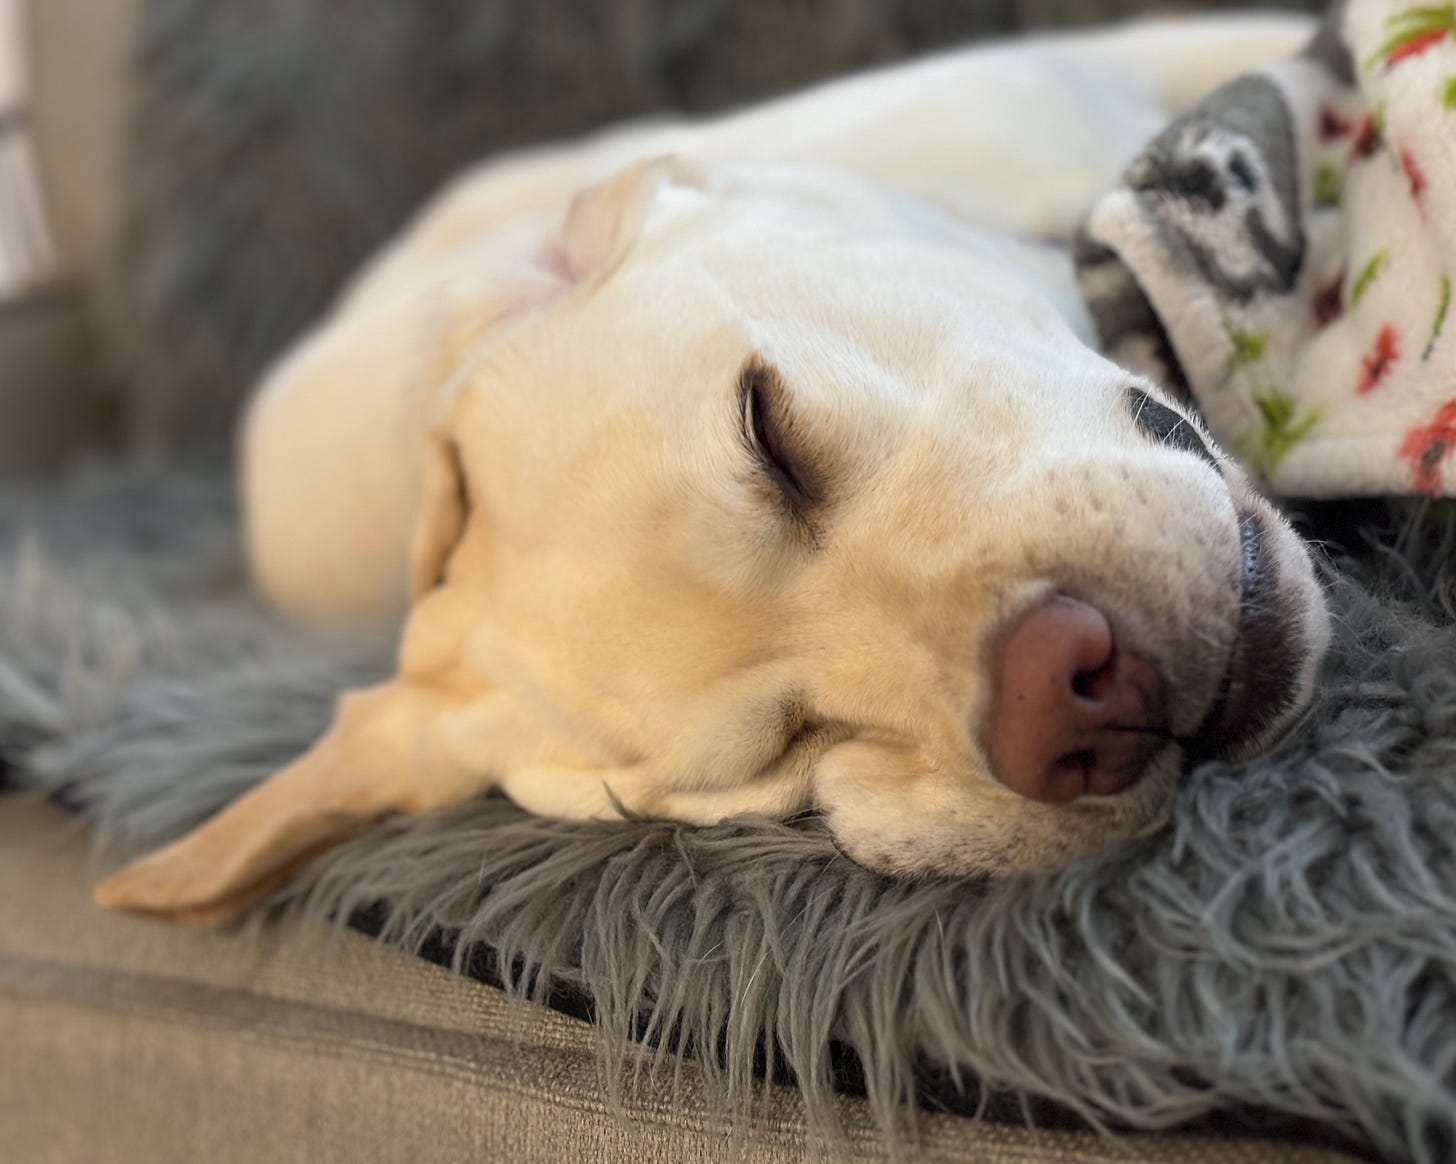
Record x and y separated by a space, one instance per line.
1332 125
1367 139
1412 31
1415 46
1427 445
1329 301
1376 366
1414 174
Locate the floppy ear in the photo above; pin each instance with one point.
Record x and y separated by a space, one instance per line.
383 752
378 755
598 230
440 521
366 764
606 219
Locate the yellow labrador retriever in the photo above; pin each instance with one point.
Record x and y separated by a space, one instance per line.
767 465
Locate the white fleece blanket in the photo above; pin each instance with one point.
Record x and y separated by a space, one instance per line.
1285 254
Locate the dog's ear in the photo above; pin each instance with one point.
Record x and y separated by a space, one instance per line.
598 230
443 509
381 754
606 219
385 750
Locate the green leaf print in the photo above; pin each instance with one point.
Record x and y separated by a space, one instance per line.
1281 428
1327 187
1448 94
1371 271
1443 304
1248 346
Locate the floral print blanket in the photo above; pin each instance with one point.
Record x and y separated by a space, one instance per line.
1282 256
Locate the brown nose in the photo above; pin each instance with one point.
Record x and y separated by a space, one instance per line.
1072 715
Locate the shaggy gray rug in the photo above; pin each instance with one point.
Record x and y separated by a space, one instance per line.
1287 946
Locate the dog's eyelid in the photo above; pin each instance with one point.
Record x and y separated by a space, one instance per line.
769 429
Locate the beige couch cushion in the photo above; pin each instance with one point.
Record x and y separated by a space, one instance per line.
128 1040
52 398
77 52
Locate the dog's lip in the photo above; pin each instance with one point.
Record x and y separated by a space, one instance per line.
1258 683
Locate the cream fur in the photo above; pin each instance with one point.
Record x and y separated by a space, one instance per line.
537 387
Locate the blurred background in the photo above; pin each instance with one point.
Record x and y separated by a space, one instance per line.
184 184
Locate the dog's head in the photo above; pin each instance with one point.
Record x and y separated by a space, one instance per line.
769 491
796 495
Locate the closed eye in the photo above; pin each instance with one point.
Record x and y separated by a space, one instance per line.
768 431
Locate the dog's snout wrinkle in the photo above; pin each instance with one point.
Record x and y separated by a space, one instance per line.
1072 714
1168 427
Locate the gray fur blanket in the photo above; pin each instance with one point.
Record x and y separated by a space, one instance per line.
1287 946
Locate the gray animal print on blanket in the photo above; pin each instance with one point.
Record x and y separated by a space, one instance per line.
1221 186
1328 47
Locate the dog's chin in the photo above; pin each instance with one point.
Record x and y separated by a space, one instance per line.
1092 824
1025 837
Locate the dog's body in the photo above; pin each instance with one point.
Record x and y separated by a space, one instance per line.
780 474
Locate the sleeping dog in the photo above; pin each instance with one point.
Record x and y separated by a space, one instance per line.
768 465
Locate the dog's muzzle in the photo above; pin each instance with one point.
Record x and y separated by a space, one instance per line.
1073 714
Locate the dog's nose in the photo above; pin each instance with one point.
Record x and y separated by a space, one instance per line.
1072 715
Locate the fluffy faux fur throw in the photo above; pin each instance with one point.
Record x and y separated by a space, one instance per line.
1287 946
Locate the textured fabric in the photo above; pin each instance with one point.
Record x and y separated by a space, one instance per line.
134 1041
1293 242
76 50
1287 945
52 404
